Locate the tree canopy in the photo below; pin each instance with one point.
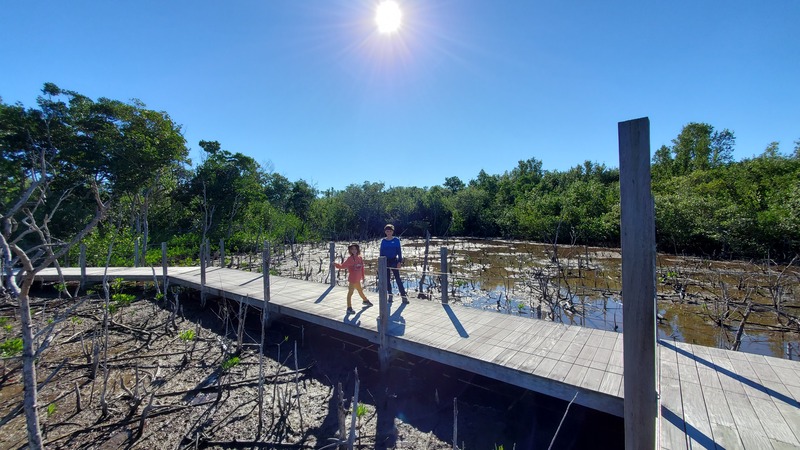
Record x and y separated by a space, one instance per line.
706 203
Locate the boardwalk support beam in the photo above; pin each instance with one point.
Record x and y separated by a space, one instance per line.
638 284
203 273
82 263
443 255
265 271
383 316
332 268
164 266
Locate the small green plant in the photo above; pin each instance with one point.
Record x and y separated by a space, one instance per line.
520 306
498 447
11 347
187 335
117 284
76 320
361 410
51 409
61 287
230 363
4 324
123 299
159 297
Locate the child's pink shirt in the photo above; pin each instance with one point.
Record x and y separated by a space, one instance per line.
355 268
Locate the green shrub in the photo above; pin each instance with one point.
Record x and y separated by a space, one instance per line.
230 363
11 347
187 335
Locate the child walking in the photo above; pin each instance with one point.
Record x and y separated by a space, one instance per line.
355 275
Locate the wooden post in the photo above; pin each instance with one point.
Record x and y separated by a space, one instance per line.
164 265
424 265
383 315
136 252
222 253
443 254
265 269
637 220
203 273
83 266
333 260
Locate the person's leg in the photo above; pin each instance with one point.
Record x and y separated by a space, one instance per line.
389 282
350 289
360 291
400 286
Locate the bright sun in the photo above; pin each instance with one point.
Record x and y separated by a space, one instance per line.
388 17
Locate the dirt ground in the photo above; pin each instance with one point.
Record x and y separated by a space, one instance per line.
172 383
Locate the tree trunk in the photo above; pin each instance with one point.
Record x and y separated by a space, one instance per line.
29 368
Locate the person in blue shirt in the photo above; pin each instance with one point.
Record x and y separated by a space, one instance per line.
390 248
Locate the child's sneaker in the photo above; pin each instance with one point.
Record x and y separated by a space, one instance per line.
350 310
366 303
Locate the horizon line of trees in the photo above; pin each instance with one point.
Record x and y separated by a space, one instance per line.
706 203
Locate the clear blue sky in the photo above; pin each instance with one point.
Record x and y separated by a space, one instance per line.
311 88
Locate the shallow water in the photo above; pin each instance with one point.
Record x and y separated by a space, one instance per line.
501 275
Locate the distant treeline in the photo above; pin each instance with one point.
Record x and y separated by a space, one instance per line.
706 203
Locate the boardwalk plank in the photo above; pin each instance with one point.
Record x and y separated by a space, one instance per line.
720 398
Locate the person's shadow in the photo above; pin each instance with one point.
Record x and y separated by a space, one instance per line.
397 323
353 319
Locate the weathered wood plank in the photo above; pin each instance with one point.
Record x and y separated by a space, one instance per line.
547 357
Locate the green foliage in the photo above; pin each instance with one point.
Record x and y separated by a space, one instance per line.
123 299
706 203
230 363
4 324
51 409
187 335
361 410
11 347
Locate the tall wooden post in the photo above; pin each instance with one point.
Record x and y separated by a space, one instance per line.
638 285
383 315
164 265
203 273
332 261
83 266
222 253
424 265
265 270
136 252
443 256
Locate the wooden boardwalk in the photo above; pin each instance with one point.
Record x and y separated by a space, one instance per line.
710 398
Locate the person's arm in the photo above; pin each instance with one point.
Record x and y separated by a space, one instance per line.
399 254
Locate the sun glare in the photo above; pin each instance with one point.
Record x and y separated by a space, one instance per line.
388 17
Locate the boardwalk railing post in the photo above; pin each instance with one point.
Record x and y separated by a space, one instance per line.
203 273
164 265
424 265
222 252
82 263
333 260
443 254
265 270
383 315
637 229
136 252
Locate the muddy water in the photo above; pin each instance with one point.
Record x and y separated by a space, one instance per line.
694 294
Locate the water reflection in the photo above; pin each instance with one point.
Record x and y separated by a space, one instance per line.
694 293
